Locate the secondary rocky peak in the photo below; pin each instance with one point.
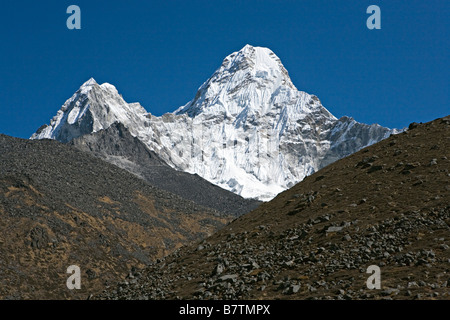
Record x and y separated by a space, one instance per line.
91 108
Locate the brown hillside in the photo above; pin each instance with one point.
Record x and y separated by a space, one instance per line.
61 207
387 205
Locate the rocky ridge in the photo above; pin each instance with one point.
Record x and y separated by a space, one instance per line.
117 146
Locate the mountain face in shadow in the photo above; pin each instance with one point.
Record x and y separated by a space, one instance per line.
117 146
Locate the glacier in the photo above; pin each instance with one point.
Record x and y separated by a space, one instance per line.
248 129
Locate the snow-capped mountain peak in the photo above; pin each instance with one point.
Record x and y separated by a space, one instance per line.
91 108
248 129
92 84
89 83
247 81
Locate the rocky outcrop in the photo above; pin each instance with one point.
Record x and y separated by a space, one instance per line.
117 146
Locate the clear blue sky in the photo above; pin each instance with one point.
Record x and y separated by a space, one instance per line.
159 52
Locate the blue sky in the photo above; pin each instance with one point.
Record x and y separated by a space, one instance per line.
159 52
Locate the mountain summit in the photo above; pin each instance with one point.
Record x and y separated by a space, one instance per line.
248 129
249 80
93 107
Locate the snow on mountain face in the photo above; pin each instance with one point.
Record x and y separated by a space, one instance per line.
248 129
92 108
